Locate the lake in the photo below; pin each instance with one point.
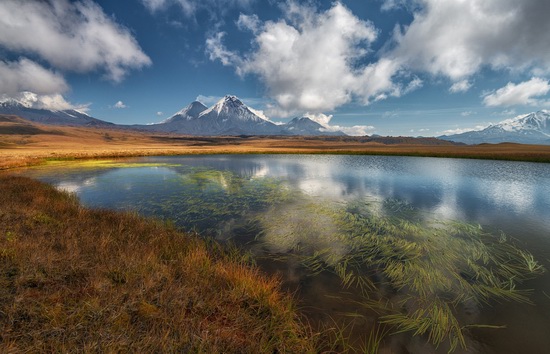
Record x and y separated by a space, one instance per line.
449 249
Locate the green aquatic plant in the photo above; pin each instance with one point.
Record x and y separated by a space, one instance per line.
98 164
428 271
214 202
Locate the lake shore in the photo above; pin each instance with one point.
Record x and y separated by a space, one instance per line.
35 154
102 281
23 145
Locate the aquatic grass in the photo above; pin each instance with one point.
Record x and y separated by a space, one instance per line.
426 270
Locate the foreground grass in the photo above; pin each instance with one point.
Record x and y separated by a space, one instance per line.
74 279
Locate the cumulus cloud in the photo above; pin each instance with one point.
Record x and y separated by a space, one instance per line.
313 61
119 105
324 120
460 86
320 118
26 75
75 36
217 51
52 102
461 130
524 93
356 130
457 38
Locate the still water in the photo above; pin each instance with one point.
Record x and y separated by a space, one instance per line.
394 244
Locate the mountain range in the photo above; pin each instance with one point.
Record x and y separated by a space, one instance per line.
70 117
532 128
230 116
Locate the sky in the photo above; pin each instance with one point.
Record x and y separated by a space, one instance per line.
388 67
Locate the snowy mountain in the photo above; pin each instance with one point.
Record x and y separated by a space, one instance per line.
532 128
230 116
306 126
188 113
69 117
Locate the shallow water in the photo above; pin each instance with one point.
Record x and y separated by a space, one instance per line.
287 208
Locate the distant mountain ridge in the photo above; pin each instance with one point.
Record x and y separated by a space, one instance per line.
230 116
69 117
532 128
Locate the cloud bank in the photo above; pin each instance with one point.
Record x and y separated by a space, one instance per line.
315 61
26 75
53 102
524 93
75 36
458 38
310 60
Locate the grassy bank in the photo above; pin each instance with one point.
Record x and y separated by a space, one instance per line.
74 279
23 143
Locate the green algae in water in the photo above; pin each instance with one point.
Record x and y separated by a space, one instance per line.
95 164
421 273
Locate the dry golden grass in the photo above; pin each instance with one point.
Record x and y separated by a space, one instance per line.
23 144
80 280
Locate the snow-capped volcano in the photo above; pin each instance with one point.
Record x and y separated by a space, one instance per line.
230 116
190 112
532 128
70 117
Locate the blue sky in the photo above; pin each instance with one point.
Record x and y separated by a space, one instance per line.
391 67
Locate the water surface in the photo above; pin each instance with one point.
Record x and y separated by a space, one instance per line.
304 216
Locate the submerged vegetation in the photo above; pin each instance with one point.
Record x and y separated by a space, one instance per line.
74 279
421 276
414 275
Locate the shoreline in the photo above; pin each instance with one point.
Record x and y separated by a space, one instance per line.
27 157
43 143
75 278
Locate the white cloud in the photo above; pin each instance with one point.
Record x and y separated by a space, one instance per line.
76 36
524 93
461 130
159 113
467 113
324 120
457 38
320 118
119 105
249 22
26 75
356 130
415 84
217 51
51 102
310 60
460 86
